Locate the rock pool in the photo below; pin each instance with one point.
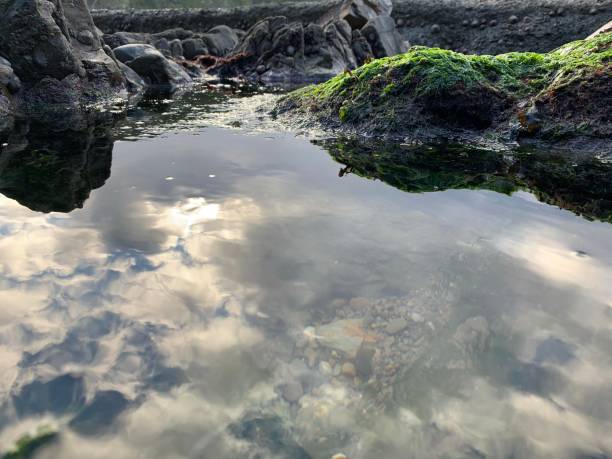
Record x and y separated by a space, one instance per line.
171 287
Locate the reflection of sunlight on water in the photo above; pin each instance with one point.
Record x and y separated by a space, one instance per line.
546 254
191 212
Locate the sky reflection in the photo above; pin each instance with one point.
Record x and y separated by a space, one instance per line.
167 318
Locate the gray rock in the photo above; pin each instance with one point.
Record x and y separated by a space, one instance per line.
357 13
176 49
194 47
127 53
345 335
361 48
8 78
174 34
383 37
54 46
155 69
126 38
135 82
220 40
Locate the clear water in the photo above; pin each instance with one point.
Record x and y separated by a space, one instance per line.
170 288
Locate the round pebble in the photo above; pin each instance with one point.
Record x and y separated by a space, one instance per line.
339 456
513 19
435 28
348 369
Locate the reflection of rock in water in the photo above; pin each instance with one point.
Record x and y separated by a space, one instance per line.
581 185
51 169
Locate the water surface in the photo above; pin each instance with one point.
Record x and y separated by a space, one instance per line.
170 288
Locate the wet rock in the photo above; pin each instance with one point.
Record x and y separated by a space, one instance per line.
194 47
127 53
155 69
126 38
339 456
383 37
361 48
513 19
174 34
135 83
176 49
53 47
8 78
163 46
364 361
220 40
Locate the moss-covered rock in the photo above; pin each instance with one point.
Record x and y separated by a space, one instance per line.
428 90
580 185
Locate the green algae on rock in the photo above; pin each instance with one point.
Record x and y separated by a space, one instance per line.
430 92
28 445
580 185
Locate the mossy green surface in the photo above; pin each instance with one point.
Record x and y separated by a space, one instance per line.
426 73
583 186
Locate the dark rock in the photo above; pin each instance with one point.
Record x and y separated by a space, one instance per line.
127 53
155 69
174 34
176 49
8 78
136 84
383 37
126 38
194 47
361 48
220 40
54 46
357 13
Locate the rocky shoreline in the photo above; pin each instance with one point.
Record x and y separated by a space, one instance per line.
56 60
474 26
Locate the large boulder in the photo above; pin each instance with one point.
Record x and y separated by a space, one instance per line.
194 47
127 53
220 40
54 46
156 70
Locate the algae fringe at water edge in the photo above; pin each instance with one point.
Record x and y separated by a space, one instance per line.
28 445
427 85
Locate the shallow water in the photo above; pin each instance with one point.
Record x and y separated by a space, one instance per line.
170 288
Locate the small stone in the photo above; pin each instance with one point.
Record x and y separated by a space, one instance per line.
435 28
560 12
396 326
290 50
348 369
593 11
465 23
293 391
492 22
400 22
513 19
475 23
339 456
260 69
